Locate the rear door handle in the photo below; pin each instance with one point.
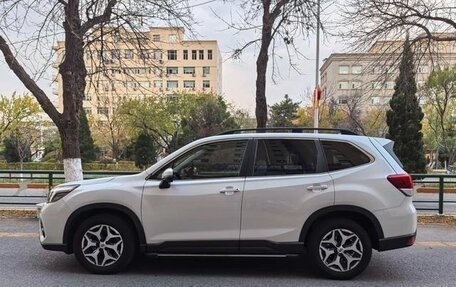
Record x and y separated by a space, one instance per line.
317 187
229 190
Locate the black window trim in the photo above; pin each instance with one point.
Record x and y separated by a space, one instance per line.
321 159
321 140
244 164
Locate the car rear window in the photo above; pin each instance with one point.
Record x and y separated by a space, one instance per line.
341 155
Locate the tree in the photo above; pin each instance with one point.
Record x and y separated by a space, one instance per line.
208 115
284 113
80 23
439 94
145 153
86 144
282 21
379 20
404 118
15 110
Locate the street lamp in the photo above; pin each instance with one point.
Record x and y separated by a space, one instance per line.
317 91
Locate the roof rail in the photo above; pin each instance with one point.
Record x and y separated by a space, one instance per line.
289 129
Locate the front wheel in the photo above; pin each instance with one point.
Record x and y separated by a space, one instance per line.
104 244
340 248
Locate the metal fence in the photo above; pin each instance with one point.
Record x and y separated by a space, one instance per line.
46 179
40 179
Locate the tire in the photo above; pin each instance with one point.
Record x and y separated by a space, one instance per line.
102 255
339 248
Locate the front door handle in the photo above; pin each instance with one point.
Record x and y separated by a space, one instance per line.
317 187
229 190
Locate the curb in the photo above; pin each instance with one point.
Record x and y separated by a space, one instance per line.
422 218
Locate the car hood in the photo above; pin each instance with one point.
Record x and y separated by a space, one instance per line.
90 181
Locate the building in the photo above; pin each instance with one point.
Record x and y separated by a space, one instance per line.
127 65
368 78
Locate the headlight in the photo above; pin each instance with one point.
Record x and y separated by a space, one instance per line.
59 192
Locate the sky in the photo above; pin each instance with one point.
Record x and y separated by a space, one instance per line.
238 82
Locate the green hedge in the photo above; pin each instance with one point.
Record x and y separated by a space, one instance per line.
92 166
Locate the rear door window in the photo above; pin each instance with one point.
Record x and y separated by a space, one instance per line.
285 157
342 155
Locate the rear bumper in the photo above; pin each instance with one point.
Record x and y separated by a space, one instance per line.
396 242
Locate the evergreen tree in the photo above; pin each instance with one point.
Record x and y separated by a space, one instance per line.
87 146
145 153
284 113
404 118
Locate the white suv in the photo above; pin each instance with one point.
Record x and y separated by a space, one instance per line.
330 197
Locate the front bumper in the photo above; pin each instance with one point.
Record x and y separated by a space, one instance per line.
52 218
396 242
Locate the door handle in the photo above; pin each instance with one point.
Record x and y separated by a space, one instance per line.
317 187
229 190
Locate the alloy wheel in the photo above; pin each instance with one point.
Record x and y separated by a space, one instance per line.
102 245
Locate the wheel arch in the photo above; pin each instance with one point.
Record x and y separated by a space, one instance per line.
360 215
86 211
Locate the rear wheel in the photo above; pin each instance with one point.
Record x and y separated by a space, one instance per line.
339 248
104 244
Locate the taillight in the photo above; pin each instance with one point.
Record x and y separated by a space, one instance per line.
403 182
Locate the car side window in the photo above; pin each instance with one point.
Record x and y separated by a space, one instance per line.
214 160
341 155
285 157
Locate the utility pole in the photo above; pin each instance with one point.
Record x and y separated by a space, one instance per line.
317 91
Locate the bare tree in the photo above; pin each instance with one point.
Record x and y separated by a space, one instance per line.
426 21
275 23
78 23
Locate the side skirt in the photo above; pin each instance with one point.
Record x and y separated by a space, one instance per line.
227 247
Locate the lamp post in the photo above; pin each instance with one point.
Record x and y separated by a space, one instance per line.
317 91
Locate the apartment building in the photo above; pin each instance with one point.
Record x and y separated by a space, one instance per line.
369 77
131 65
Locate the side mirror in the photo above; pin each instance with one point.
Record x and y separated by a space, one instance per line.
167 177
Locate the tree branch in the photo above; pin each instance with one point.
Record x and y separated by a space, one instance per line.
90 23
29 83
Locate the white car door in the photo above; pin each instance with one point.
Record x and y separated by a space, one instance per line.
288 183
203 203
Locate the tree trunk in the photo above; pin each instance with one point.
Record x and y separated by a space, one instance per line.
261 110
73 73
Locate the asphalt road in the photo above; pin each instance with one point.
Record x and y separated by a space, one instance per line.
24 263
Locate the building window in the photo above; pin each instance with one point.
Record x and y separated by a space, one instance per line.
115 54
194 55
356 85
201 54
206 71
156 38
87 98
209 54
375 100
144 54
357 69
185 54
344 85
172 70
189 70
189 84
342 100
344 69
172 38
88 111
377 70
377 85
172 54
157 54
102 110
172 84
389 85
206 84
423 69
158 83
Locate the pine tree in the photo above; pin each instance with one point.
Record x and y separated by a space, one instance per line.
284 113
86 144
404 118
145 153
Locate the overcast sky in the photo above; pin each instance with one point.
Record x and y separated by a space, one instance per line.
238 75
